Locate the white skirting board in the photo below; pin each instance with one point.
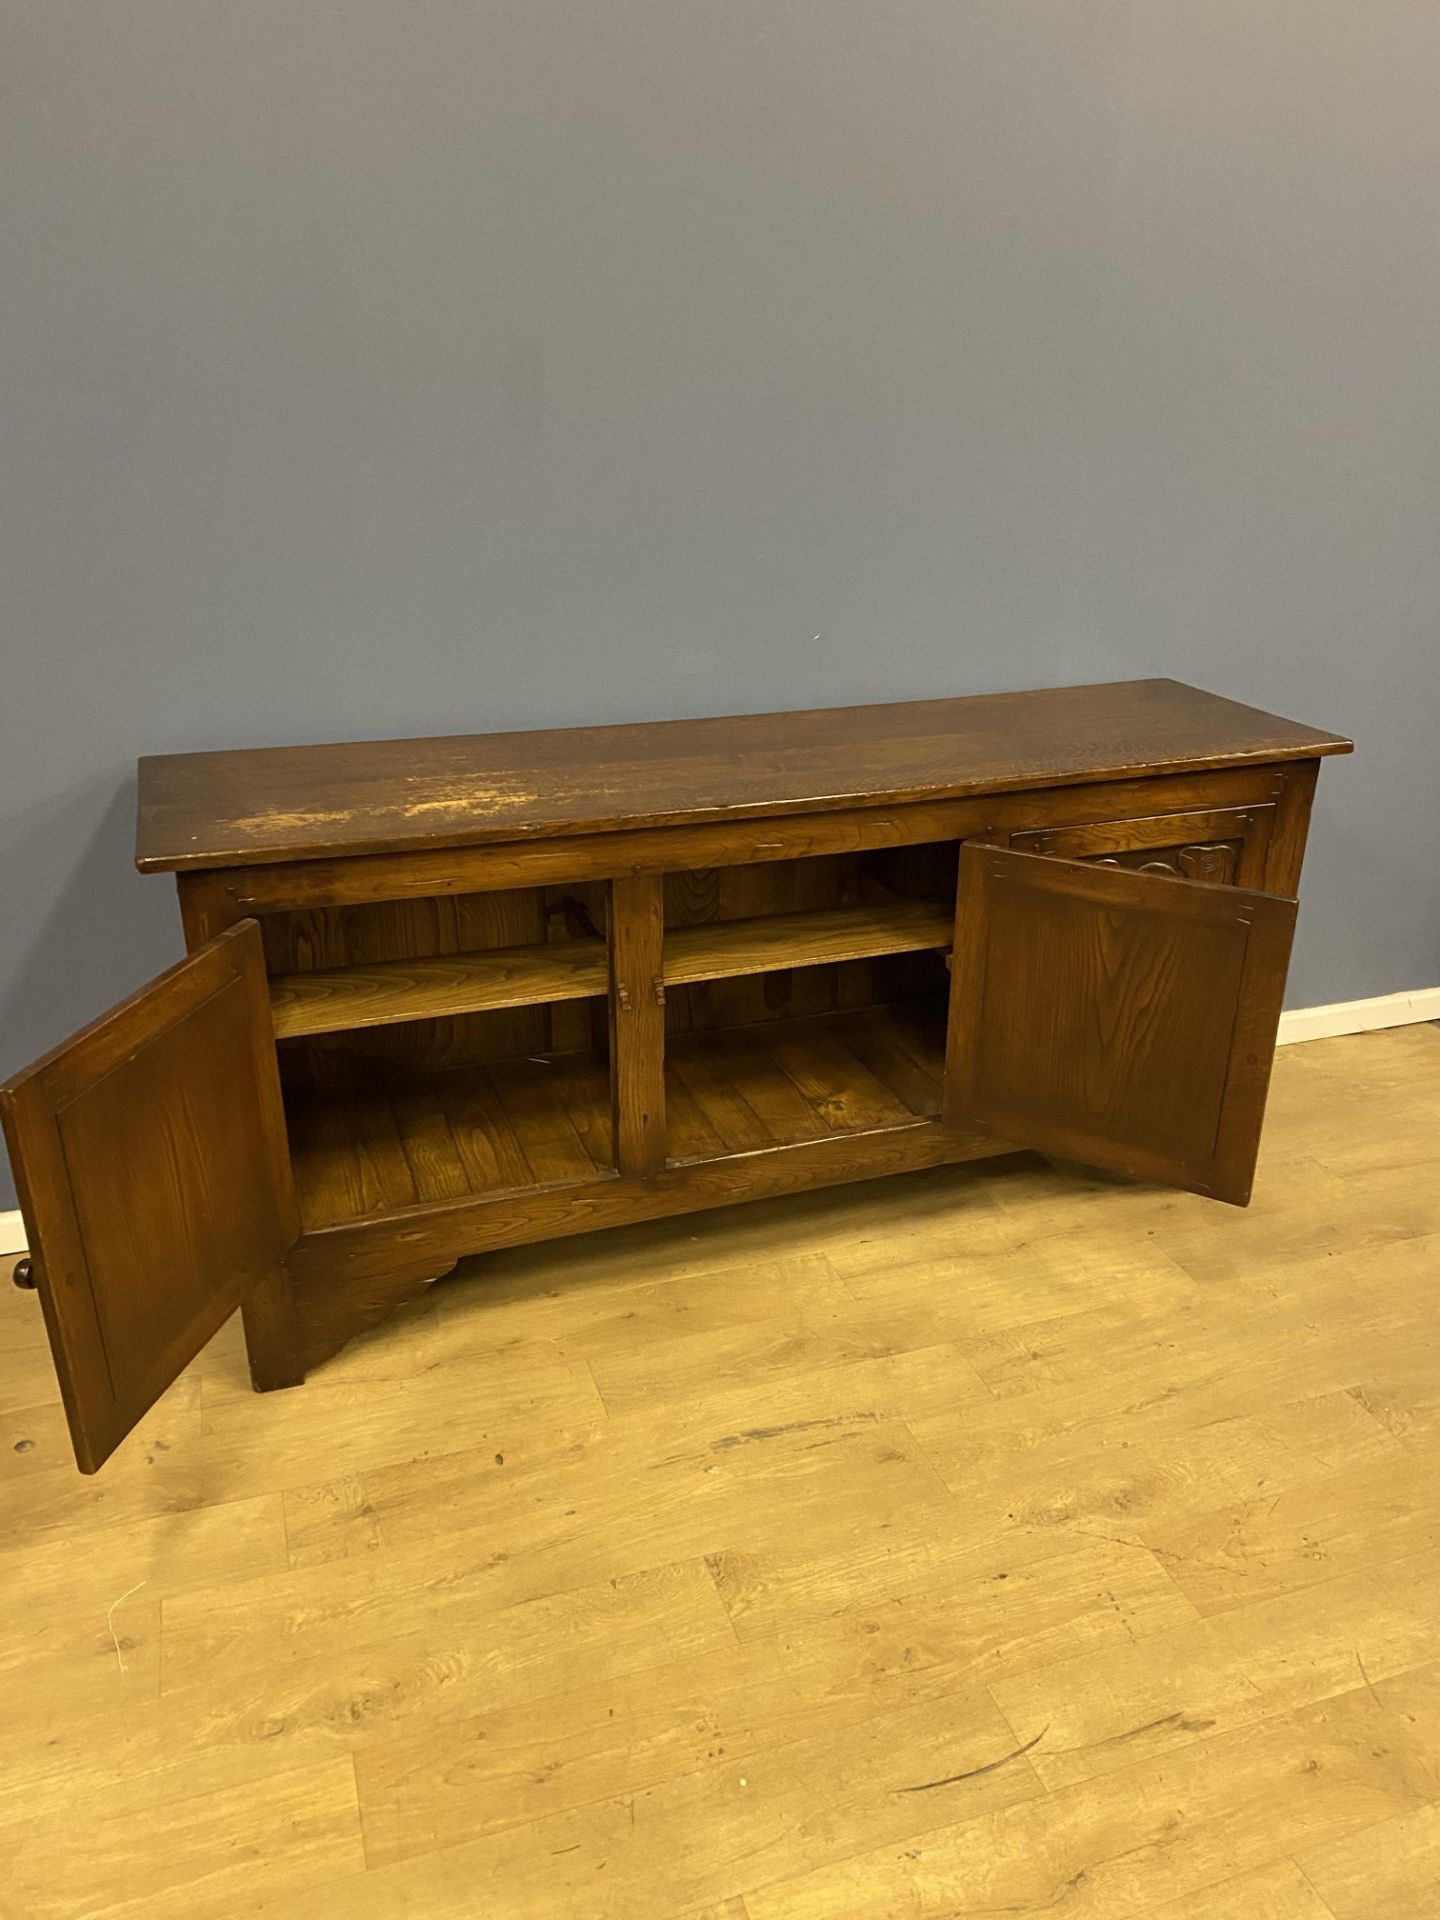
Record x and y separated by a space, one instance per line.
1301 1023
1359 1016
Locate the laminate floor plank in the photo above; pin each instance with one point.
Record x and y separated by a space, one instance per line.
991 1539
1391 1869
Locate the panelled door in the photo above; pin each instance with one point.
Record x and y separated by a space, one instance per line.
155 1183
1125 1018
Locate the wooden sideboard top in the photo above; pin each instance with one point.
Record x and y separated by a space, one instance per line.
243 807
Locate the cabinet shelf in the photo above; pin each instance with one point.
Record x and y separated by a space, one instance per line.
781 1083
335 999
423 1140
720 949
430 1138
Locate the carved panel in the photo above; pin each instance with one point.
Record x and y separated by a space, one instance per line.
1216 846
1215 862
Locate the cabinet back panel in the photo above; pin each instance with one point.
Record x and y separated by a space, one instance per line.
708 895
304 940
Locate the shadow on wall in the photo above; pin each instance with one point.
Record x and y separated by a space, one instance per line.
108 928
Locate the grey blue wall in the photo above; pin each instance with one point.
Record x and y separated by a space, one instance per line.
389 366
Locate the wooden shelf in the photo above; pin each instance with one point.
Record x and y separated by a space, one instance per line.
443 1136
779 1083
435 1138
720 949
337 998
334 999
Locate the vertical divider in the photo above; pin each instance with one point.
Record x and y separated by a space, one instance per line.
967 962
637 1021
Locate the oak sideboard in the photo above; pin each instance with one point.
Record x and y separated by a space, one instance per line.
447 995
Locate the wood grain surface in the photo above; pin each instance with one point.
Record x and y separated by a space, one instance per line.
983 1541
288 803
547 1121
1126 1019
340 999
149 1153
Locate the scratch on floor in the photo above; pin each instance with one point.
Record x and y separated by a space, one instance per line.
1369 1684
1183 1722
748 1434
110 1621
972 1773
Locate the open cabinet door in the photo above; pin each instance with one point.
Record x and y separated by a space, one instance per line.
155 1182
1125 1019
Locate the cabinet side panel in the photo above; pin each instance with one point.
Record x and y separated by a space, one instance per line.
1286 853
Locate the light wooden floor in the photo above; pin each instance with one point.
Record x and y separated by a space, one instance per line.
981 1543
